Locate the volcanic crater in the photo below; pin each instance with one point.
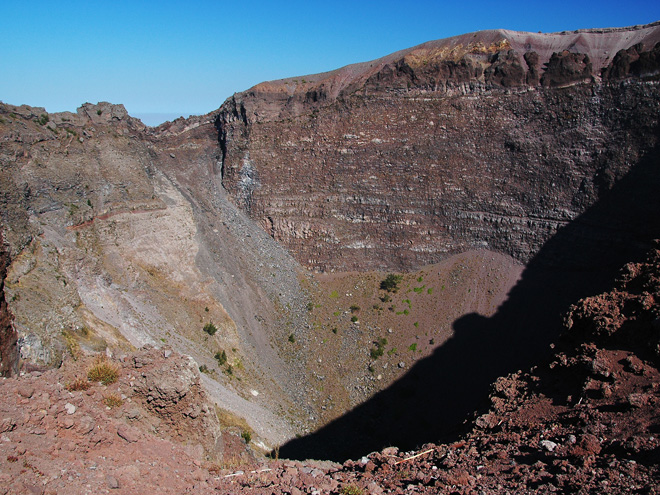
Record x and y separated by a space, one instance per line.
347 266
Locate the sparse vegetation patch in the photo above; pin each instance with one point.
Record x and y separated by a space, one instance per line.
103 371
221 357
351 490
391 283
78 384
378 350
210 328
112 400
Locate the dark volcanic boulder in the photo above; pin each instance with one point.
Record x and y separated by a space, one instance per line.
567 68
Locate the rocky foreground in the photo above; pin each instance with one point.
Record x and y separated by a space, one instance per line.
586 422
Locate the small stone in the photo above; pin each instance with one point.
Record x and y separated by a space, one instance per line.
167 353
112 482
600 369
637 400
402 364
590 443
26 391
390 451
133 413
70 408
548 445
127 434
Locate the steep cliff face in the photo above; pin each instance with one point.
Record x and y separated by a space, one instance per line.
8 337
493 140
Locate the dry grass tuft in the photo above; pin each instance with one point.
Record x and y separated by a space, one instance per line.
103 371
78 384
351 490
112 400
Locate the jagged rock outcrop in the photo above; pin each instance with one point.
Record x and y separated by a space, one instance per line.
494 139
8 337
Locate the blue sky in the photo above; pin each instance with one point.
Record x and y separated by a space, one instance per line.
180 58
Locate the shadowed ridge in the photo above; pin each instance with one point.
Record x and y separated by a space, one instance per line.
431 401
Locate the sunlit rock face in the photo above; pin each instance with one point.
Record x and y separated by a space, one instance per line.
492 140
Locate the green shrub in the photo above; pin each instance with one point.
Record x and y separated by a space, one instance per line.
391 282
43 119
334 295
221 357
378 350
354 308
246 435
354 318
210 328
413 347
292 338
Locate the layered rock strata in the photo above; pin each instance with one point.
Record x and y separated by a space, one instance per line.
494 140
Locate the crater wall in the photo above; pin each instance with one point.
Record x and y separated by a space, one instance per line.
489 140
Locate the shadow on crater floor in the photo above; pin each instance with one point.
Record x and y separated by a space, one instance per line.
431 402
